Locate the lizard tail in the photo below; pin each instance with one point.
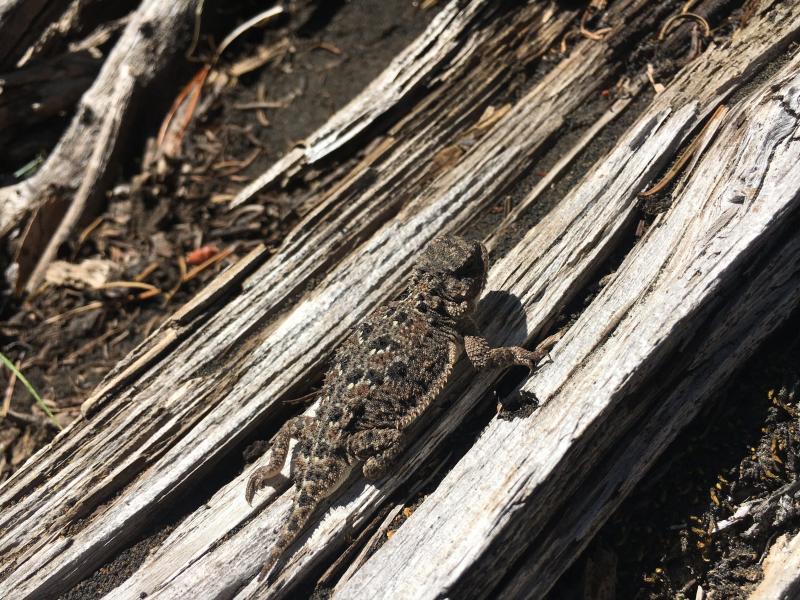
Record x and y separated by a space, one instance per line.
302 509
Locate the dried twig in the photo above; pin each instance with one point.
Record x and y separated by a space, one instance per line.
147 271
87 231
141 285
193 89
9 393
686 15
74 311
698 141
260 19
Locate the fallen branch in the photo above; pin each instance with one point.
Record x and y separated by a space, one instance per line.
151 39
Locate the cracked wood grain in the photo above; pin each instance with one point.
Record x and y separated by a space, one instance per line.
175 421
523 484
356 505
164 429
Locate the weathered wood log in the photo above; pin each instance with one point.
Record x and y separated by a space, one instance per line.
294 347
706 274
190 393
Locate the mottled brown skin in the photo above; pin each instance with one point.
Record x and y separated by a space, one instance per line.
385 374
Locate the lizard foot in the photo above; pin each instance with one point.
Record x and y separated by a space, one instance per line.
257 481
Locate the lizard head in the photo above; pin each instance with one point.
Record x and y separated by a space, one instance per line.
455 269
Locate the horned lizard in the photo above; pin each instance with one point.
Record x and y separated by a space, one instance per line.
383 376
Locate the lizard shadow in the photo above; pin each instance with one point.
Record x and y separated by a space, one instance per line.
504 322
501 319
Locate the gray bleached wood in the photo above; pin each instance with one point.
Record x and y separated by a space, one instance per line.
235 561
356 505
734 203
740 325
174 423
171 571
187 409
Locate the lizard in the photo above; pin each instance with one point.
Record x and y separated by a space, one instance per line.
388 370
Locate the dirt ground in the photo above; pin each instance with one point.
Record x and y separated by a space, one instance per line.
167 227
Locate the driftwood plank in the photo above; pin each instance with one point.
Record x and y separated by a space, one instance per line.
738 327
523 480
173 570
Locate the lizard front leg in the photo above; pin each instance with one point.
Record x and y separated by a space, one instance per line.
293 428
483 356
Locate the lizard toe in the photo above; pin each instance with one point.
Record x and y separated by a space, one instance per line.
257 481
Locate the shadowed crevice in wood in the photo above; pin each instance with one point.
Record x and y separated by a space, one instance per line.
703 359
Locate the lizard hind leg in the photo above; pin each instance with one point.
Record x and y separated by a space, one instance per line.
378 448
296 428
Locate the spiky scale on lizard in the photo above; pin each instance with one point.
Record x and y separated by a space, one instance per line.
383 376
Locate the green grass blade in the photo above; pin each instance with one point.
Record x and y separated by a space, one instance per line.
7 362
